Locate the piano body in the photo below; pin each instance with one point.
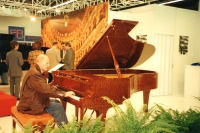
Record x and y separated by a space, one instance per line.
95 76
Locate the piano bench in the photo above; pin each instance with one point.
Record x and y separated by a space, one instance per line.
40 121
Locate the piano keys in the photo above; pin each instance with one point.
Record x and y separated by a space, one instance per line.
95 76
77 98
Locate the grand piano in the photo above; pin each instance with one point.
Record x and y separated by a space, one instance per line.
105 71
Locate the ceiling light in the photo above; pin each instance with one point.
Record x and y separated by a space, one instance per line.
66 20
32 18
62 4
57 10
170 2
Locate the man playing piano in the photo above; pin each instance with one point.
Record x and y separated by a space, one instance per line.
36 92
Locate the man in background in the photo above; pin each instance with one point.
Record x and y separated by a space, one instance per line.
14 61
54 56
69 57
62 51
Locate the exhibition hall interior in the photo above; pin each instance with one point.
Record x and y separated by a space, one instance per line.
144 51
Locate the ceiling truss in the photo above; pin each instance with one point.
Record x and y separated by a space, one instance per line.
116 5
48 8
41 8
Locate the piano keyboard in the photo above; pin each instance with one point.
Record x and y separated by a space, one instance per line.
75 97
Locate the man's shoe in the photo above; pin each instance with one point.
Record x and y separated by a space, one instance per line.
4 84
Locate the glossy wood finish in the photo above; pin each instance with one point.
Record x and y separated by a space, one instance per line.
96 77
92 85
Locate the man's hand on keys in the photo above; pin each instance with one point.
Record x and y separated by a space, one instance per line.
69 93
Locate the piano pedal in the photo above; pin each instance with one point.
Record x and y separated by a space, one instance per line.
91 115
84 112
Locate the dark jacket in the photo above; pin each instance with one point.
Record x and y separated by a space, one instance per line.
69 59
35 92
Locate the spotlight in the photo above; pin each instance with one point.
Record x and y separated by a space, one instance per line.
32 18
57 10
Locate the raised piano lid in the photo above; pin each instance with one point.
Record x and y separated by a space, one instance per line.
128 52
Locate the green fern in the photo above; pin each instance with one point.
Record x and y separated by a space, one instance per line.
49 128
28 128
191 120
84 126
130 121
186 121
92 126
198 98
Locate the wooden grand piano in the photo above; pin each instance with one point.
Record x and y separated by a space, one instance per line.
95 75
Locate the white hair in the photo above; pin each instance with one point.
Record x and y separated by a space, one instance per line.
40 58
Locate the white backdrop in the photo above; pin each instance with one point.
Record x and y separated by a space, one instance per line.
163 63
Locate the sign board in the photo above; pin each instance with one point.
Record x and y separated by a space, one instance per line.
17 31
32 38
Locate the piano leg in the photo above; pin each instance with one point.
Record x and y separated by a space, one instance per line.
98 111
146 99
64 104
76 112
102 111
81 113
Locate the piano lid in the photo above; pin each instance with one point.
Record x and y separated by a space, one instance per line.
128 52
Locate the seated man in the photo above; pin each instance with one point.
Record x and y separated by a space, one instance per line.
36 92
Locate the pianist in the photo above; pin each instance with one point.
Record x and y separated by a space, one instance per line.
36 92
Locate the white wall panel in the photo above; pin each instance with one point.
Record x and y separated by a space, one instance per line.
32 28
163 63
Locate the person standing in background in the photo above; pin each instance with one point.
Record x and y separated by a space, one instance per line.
62 51
14 61
3 71
69 57
32 55
4 74
54 56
